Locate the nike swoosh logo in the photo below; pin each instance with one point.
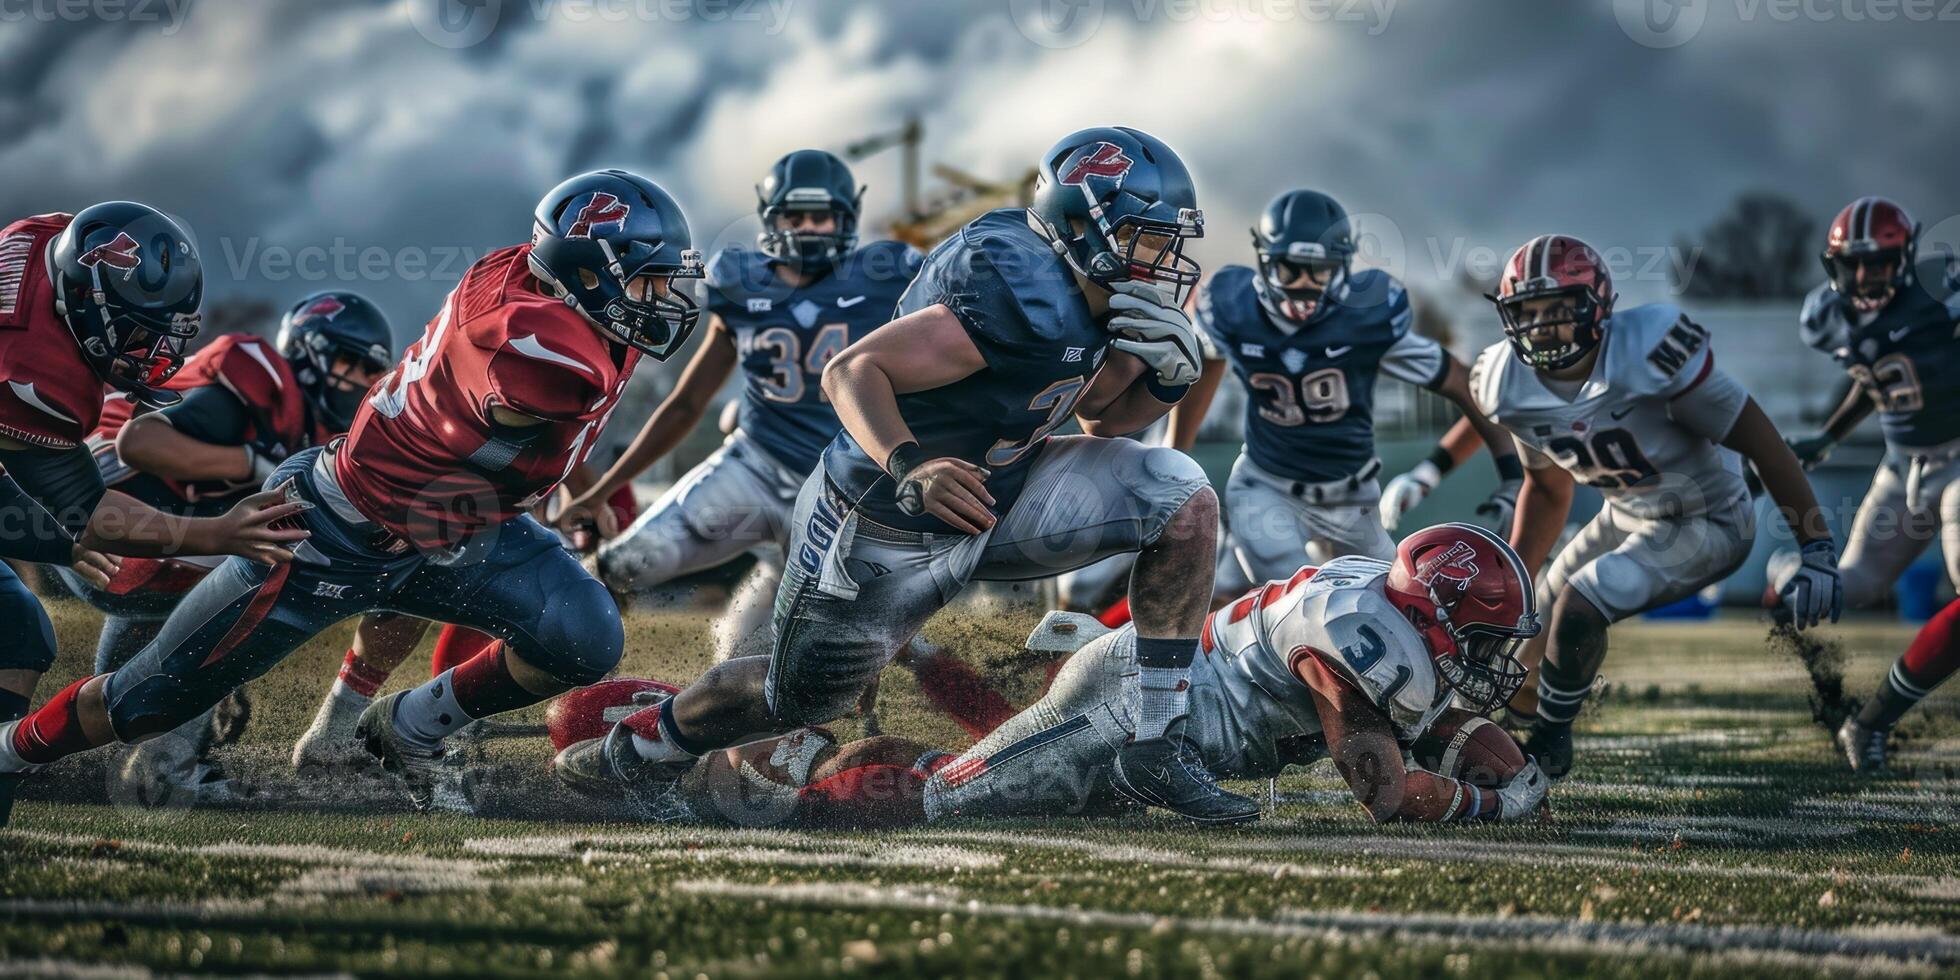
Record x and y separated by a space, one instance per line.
1622 413
26 393
1338 351
1898 334
529 346
845 304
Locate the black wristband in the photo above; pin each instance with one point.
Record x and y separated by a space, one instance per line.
903 459
1442 460
1168 394
1509 468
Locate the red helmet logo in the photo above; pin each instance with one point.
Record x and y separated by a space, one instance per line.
120 254
1099 160
326 306
1456 565
603 209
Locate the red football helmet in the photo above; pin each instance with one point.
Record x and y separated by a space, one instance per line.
1870 251
1468 594
1562 266
590 712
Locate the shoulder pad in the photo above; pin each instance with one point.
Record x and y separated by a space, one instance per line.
887 265
1378 650
736 269
1487 377
1821 324
540 368
1372 291
1657 349
1223 298
251 368
23 278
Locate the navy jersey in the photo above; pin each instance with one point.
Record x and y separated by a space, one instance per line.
1310 406
1907 357
786 335
1020 306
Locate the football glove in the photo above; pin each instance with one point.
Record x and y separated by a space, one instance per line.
1812 590
1151 327
1407 490
1502 504
1521 797
1812 451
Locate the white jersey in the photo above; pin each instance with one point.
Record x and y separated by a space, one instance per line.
1644 429
1246 700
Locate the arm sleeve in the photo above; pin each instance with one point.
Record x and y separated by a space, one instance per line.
64 482
1001 300
210 414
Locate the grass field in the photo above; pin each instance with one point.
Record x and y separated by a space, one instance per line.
1711 830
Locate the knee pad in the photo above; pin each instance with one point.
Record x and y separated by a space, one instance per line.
26 635
1166 480
579 638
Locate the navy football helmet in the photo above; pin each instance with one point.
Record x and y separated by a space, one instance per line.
128 284
1117 204
1304 242
595 234
320 329
808 181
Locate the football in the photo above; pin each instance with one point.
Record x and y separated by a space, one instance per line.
590 712
1471 748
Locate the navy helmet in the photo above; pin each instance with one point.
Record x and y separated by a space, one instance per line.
1117 204
319 330
128 284
808 181
595 234
1304 242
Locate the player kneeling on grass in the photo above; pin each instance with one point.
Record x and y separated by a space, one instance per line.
1381 666
1631 403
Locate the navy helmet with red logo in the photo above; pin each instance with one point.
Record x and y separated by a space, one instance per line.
128 284
1304 243
616 247
1469 596
323 329
804 182
1555 266
1869 252
1118 205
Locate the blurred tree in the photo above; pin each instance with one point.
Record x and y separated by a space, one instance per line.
1762 248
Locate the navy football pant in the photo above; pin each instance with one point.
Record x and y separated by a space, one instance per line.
26 636
513 581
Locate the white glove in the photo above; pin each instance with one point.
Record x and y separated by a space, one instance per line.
1500 507
1813 590
1520 797
1154 329
1407 490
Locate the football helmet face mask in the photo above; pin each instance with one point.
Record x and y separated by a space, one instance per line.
615 247
1468 594
1869 252
331 328
802 183
1117 204
128 284
1561 268
1304 244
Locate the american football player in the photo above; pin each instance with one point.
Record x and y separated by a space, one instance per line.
1309 336
780 313
1355 661
1932 657
1898 344
1631 402
246 405
422 508
108 296
946 471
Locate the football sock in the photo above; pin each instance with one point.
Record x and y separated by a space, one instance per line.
954 687
1165 665
1559 705
1932 658
658 738
456 646
53 731
429 713
358 680
481 687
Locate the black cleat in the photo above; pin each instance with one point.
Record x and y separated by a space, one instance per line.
1163 772
1550 742
432 785
610 768
8 780
1863 747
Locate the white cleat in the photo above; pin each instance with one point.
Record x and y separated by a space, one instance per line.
1863 747
329 743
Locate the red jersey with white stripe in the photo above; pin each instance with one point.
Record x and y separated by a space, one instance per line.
258 376
424 458
49 396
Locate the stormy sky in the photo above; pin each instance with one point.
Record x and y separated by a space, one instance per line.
379 145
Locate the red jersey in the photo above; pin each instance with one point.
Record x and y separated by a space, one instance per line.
424 459
258 376
49 396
